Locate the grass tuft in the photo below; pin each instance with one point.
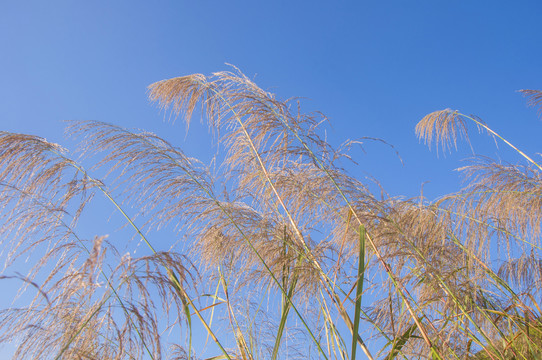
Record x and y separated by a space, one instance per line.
278 253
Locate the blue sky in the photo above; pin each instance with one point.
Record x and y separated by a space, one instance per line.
375 68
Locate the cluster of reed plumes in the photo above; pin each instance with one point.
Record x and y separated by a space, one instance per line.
275 253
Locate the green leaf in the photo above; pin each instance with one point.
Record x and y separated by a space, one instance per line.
398 345
359 289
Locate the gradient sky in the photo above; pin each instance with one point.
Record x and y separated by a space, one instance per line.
375 68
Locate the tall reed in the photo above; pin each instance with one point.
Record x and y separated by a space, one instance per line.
282 253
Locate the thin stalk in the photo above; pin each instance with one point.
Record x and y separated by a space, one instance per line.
110 285
247 240
503 139
398 344
445 287
497 279
85 323
504 231
334 332
292 222
239 337
402 290
359 290
173 277
213 309
285 309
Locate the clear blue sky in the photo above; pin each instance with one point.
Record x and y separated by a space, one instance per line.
375 68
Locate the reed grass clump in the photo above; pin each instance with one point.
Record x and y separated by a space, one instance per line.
276 253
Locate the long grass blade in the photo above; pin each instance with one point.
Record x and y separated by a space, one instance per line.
359 290
400 342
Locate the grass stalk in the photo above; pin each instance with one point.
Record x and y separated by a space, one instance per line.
359 290
182 293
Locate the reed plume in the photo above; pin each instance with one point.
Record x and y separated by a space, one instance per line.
280 253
